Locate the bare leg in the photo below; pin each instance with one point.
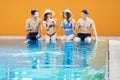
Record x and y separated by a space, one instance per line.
41 38
77 39
63 37
54 37
70 37
47 38
88 39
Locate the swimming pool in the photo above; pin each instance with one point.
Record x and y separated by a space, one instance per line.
60 60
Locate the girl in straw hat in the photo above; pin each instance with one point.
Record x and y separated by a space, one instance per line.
49 23
68 24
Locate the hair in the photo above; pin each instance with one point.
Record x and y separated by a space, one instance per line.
33 11
85 12
68 15
45 16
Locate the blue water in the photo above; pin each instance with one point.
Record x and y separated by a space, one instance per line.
60 60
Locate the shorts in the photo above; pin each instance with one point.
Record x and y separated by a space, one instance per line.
32 35
82 36
50 35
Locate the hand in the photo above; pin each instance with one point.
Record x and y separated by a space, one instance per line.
76 28
53 22
29 29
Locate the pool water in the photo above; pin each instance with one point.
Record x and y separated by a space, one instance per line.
60 60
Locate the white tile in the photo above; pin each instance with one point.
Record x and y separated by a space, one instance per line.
114 51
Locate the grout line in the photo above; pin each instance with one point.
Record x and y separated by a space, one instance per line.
108 58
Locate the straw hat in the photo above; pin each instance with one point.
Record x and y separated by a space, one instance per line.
48 11
67 11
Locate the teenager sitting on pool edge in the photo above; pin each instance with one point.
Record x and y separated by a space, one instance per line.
85 24
68 25
33 26
50 24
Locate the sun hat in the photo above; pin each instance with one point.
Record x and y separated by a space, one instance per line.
67 11
48 11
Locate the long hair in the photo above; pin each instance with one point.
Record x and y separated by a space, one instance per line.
45 16
68 15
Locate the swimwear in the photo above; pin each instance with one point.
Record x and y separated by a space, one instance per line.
32 35
50 27
83 35
50 35
68 26
69 32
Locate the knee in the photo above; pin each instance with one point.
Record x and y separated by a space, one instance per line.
41 38
53 39
70 37
88 39
63 38
76 39
47 38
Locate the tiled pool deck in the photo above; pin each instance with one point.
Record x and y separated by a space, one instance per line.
114 60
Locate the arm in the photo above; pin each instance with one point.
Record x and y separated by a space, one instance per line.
45 25
62 25
73 24
94 29
39 28
77 25
55 22
28 28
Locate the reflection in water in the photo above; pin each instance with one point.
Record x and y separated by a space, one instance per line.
68 49
85 51
58 61
49 47
34 46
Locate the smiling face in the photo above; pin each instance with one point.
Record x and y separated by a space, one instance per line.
36 14
66 15
49 15
83 15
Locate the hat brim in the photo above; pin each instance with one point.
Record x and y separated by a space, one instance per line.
52 12
66 12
